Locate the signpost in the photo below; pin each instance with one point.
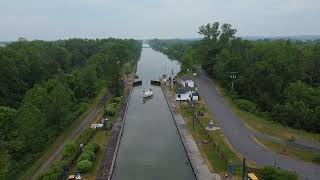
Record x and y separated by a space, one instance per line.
233 76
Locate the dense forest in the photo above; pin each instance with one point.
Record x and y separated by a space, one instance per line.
44 86
277 79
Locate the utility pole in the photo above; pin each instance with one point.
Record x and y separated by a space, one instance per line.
192 112
233 76
244 169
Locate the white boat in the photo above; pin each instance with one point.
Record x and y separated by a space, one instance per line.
147 93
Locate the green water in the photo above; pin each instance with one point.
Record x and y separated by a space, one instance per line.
151 147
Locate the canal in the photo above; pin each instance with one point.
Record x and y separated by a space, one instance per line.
151 147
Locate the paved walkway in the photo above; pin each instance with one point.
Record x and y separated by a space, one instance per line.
240 136
199 165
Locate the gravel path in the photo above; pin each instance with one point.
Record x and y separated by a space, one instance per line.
241 137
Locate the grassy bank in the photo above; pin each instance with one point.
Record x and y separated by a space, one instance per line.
295 153
265 125
218 153
101 138
269 127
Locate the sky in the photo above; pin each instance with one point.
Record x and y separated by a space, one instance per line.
144 19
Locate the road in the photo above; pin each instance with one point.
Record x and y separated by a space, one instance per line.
93 112
240 136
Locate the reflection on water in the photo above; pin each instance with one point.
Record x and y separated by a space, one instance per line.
150 147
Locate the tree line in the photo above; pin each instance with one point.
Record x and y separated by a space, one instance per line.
44 86
276 79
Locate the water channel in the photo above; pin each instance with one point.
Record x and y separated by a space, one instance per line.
151 147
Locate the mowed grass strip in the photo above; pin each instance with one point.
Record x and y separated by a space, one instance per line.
212 154
265 125
295 153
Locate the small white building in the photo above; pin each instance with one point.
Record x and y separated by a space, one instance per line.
187 83
95 126
186 94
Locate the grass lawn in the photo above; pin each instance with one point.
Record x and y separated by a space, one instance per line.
267 126
64 135
209 152
292 152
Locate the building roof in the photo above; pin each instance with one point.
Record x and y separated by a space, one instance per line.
183 90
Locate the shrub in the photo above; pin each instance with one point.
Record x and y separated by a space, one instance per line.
233 94
69 150
84 166
114 105
85 136
54 172
246 105
92 146
271 173
110 111
89 154
84 156
117 99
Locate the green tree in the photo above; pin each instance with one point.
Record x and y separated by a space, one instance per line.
4 163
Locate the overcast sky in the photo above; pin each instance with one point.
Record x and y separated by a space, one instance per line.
60 19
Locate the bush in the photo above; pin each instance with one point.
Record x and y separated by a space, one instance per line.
54 172
117 99
114 105
85 136
84 166
246 105
110 111
233 94
69 150
271 173
92 146
89 154
84 156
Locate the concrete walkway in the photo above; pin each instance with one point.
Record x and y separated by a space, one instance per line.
199 165
240 136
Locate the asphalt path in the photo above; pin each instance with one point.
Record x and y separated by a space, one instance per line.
241 138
